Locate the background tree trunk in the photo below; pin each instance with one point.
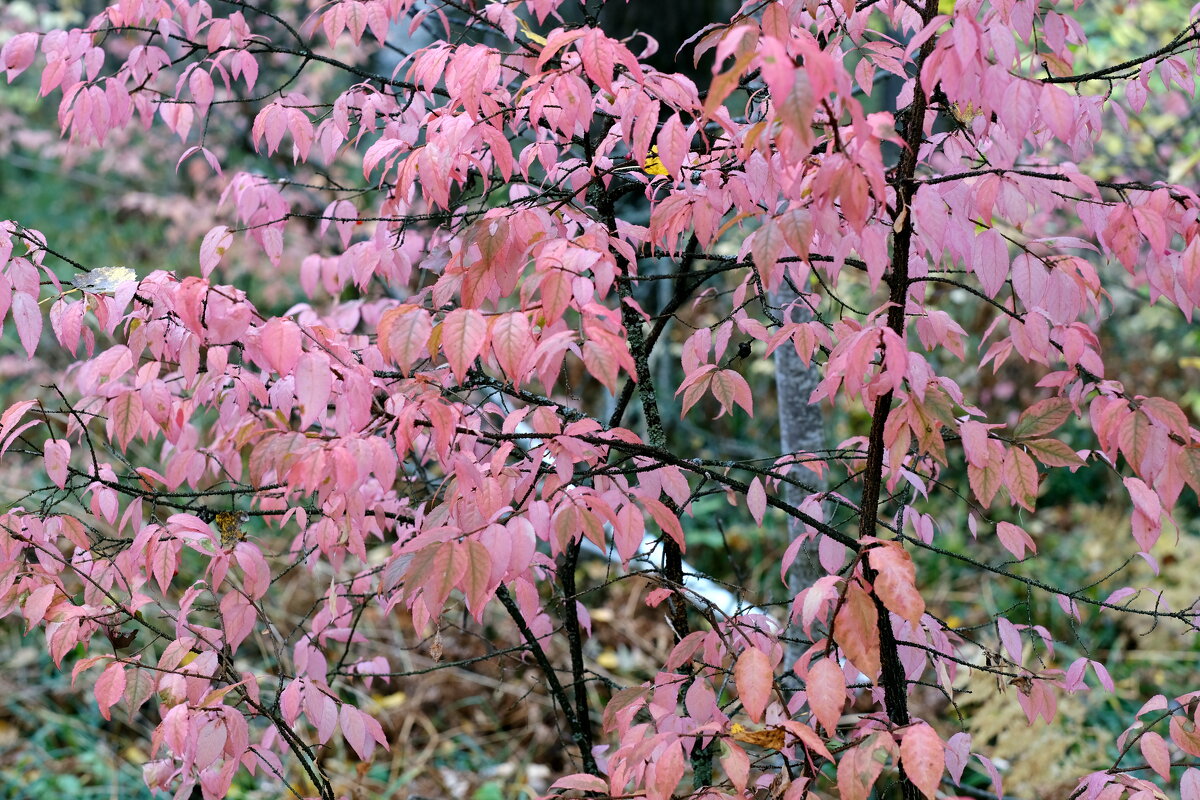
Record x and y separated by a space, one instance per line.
801 430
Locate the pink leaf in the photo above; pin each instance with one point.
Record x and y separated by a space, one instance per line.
238 617
17 54
755 680
37 603
756 500
403 335
464 332
110 687
28 319
354 730
314 382
922 755
856 630
57 454
1189 784
125 417
729 388
1157 754
281 344
583 782
826 689
1015 539
1058 111
989 261
673 144
215 243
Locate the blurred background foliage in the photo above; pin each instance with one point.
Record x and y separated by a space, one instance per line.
117 206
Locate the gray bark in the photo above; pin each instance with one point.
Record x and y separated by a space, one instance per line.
801 430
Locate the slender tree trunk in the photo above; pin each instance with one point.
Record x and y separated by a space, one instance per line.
801 430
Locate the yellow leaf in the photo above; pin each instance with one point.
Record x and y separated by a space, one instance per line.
229 525
529 34
654 165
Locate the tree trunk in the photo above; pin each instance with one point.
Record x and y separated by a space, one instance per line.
801 430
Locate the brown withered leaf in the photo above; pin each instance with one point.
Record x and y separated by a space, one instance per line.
770 738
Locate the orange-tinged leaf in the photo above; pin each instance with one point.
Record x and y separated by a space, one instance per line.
281 344
985 482
1185 735
477 576
895 582
1157 754
463 335
737 766
1021 478
724 84
1014 539
856 630
729 388
403 334
512 343
755 679
860 767
1188 461
622 700
125 417
923 757
826 690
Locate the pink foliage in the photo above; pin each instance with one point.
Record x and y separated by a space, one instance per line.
412 434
